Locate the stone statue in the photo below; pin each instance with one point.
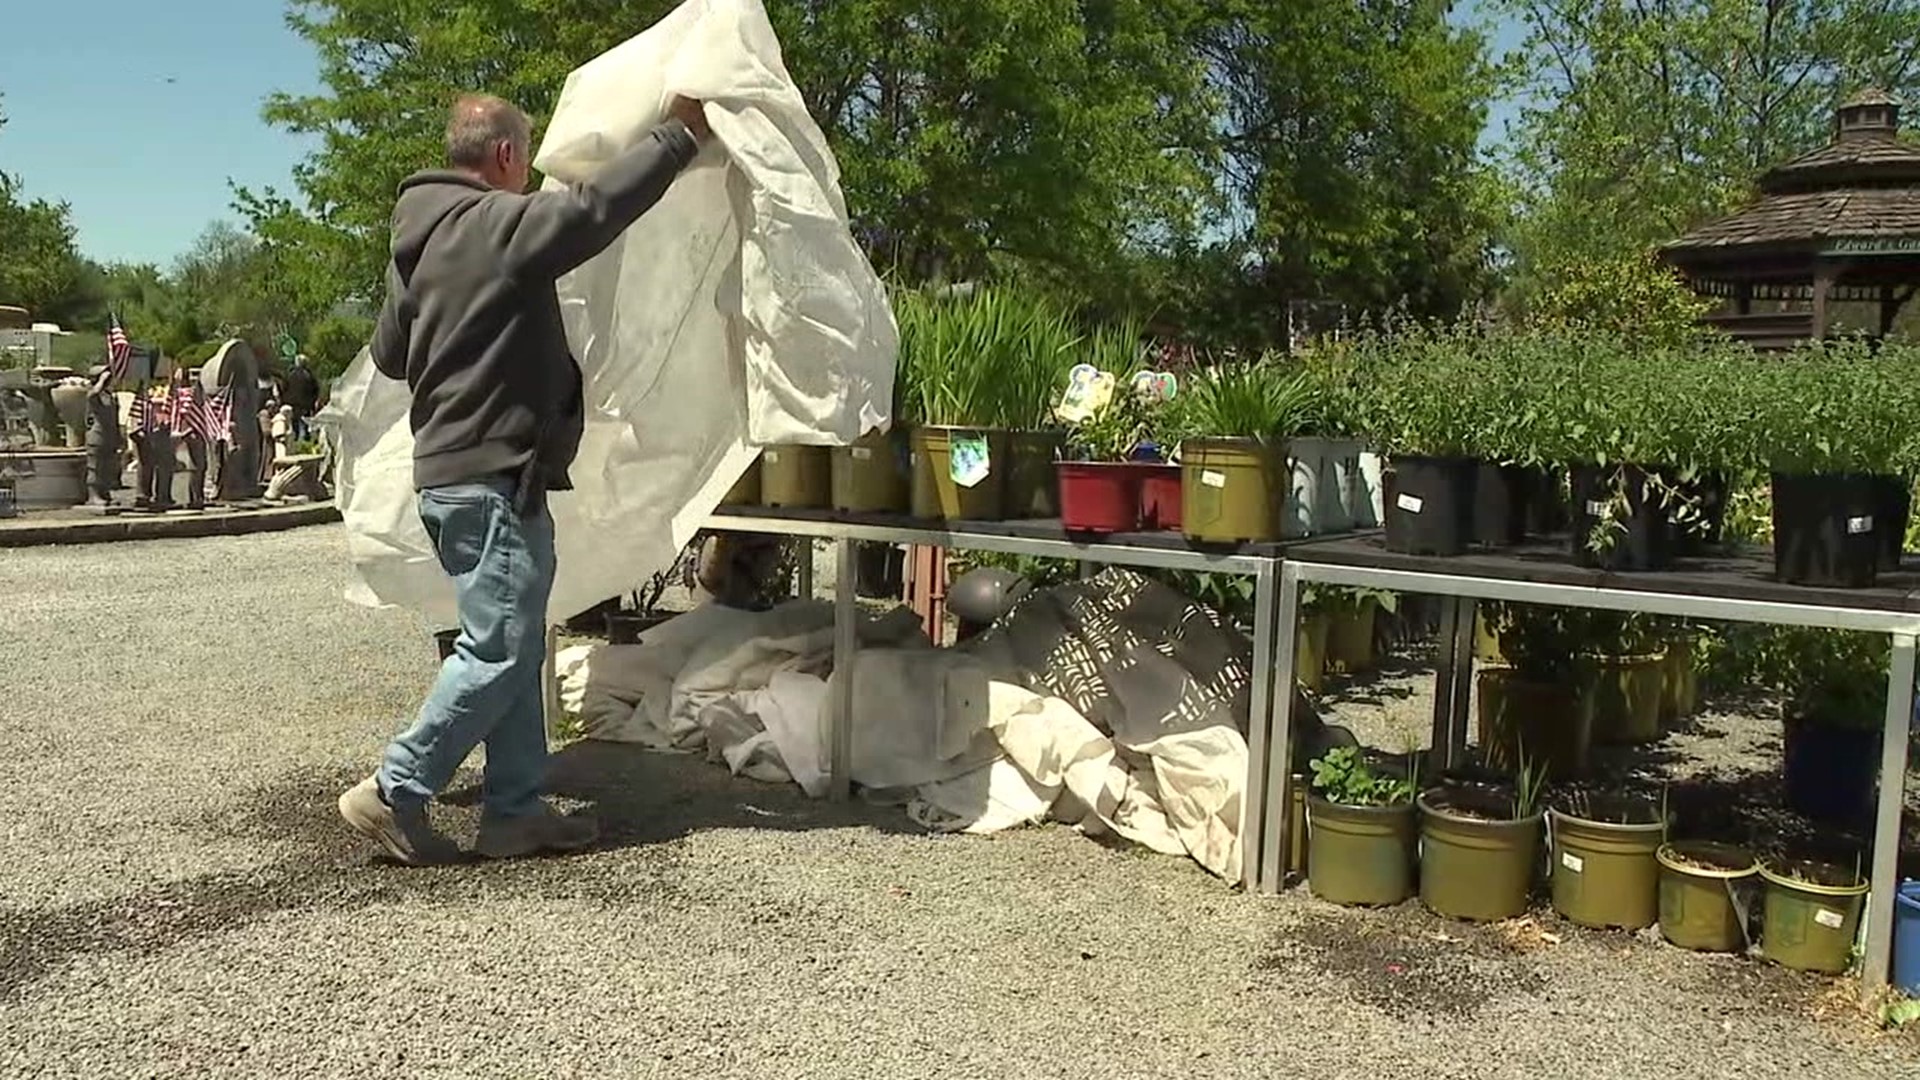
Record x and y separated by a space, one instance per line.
187 399
236 370
69 398
104 439
153 442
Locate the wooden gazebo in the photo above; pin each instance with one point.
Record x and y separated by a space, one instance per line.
1838 225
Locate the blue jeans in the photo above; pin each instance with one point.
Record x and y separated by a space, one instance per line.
489 689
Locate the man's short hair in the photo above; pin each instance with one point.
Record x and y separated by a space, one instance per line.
478 124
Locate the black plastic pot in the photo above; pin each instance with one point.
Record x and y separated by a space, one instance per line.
1546 503
1824 532
1430 504
1891 518
1830 771
1645 539
1502 495
1711 491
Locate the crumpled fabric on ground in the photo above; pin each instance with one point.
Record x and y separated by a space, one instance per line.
982 740
738 313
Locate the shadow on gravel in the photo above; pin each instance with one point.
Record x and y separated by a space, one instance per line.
1407 963
645 803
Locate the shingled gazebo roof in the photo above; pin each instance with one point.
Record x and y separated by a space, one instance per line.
1856 199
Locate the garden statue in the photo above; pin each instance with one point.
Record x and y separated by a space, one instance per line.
69 398
103 438
153 442
236 370
190 430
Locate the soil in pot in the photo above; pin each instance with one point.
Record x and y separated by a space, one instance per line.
1811 914
1099 497
1350 638
1360 855
796 477
1430 504
1824 532
1231 490
1831 770
937 495
1475 861
1501 498
1891 516
1604 870
1626 694
1160 498
1310 651
1701 902
1033 484
1641 537
1548 723
871 476
746 490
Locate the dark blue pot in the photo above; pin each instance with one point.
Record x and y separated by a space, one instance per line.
1830 771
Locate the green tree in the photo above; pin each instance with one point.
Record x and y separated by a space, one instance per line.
1647 117
40 267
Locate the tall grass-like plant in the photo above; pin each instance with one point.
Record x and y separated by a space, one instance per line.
1042 345
1265 400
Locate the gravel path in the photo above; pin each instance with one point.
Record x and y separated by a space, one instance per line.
177 900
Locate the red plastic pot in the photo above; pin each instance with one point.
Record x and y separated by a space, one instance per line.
1160 498
1099 496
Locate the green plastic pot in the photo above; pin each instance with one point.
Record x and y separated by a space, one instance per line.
1811 915
1360 855
1033 484
1350 639
1472 865
1310 652
1231 490
1548 723
937 495
1606 875
1627 694
870 477
1700 903
746 490
1486 644
796 477
1682 698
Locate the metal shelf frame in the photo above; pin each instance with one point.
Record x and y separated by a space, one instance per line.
1461 594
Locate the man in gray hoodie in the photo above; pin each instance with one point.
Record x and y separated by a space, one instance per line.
472 323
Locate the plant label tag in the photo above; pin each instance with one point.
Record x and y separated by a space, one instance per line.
1412 504
1213 479
1828 918
1859 525
1572 862
969 462
862 453
1596 508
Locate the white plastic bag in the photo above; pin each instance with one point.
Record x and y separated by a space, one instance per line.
737 313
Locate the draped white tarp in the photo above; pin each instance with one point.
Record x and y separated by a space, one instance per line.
738 313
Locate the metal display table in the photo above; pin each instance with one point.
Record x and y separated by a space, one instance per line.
1039 539
1732 589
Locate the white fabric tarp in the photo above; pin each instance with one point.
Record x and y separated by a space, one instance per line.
737 313
977 739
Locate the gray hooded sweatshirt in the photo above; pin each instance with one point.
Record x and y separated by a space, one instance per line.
472 323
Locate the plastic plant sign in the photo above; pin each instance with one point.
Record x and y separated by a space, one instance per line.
969 462
1089 391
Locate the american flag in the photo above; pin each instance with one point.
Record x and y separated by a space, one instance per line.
119 349
191 414
138 415
220 415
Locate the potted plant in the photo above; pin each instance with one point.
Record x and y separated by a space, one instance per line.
958 365
625 627
1702 906
1360 824
1310 640
796 477
1099 482
1414 410
1811 914
874 475
1681 643
1351 615
1234 420
1532 709
1327 493
1041 342
1479 846
1624 677
1605 869
1834 686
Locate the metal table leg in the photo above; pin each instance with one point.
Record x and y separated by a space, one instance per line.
1886 832
1461 679
1443 679
1273 864
1259 728
803 571
845 644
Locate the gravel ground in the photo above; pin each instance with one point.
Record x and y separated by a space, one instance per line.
177 900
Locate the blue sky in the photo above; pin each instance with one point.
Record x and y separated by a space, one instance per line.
138 113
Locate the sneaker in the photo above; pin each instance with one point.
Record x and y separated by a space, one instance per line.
404 833
543 830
